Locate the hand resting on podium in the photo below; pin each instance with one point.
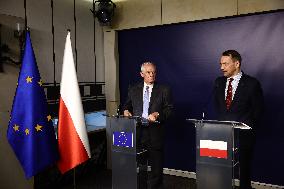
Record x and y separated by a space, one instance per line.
151 118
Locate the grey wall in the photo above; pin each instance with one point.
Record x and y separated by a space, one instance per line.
39 20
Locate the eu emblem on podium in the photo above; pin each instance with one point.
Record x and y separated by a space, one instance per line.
123 139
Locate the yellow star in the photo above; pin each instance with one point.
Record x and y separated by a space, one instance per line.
48 117
40 82
27 131
29 79
38 127
16 127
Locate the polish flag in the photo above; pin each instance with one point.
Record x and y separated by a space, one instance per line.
73 140
211 148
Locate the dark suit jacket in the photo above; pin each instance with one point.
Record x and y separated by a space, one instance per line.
161 102
247 105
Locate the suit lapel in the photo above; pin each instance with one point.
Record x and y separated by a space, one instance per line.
153 95
238 90
222 92
139 95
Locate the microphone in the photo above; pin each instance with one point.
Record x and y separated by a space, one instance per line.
118 110
203 115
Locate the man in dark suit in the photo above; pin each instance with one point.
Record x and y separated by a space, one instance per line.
239 97
153 103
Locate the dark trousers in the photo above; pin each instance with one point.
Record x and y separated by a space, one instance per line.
155 180
245 167
247 141
155 156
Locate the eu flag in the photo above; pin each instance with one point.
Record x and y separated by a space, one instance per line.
123 139
30 131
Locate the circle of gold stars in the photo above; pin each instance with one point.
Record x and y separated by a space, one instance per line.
122 139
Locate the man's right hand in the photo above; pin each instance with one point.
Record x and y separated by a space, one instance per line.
127 113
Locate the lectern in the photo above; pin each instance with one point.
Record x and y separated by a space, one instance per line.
215 153
129 164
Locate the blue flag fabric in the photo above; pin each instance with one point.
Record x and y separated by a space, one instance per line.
30 131
123 139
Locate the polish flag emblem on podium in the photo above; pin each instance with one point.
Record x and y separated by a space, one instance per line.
215 149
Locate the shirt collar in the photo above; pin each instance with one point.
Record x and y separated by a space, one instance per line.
150 86
236 77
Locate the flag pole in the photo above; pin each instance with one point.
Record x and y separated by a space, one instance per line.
53 49
75 32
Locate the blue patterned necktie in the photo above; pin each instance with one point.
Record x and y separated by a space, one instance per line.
146 103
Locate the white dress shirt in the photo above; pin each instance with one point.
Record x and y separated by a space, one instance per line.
150 90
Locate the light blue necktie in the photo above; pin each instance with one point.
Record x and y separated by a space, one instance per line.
146 103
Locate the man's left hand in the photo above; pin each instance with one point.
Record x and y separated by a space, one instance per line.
153 116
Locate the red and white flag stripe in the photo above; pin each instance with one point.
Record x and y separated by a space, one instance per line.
211 148
73 140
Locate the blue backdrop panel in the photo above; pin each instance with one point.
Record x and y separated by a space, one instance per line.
187 57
